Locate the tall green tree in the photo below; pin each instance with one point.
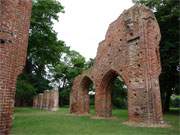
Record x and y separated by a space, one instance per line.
24 91
49 61
44 48
63 73
119 93
167 13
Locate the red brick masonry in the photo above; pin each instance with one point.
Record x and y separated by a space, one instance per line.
49 100
130 50
14 27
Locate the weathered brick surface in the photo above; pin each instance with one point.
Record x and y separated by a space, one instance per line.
35 102
49 100
130 50
46 99
41 100
14 26
54 100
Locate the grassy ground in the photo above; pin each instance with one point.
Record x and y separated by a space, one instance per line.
30 121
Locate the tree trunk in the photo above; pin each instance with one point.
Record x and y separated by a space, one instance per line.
167 101
28 67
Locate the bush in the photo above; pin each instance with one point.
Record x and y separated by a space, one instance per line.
119 102
119 94
64 95
24 92
175 101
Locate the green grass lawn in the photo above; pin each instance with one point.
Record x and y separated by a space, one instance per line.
30 121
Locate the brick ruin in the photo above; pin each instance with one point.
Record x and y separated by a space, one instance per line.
130 50
14 27
49 100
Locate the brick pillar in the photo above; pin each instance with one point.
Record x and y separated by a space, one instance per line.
103 104
46 94
100 103
79 97
50 100
36 101
54 100
14 26
74 106
41 100
44 101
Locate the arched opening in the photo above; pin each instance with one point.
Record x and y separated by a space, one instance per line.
115 94
119 97
88 95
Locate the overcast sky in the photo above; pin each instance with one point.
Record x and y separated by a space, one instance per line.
85 22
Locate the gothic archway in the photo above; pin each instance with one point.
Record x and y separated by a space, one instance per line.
129 50
80 98
104 94
86 86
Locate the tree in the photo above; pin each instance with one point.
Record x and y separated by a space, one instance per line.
167 13
90 63
44 48
119 93
64 72
49 61
24 91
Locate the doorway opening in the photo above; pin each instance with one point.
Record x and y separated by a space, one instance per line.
88 98
116 101
119 97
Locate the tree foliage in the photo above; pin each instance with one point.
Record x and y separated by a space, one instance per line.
24 91
63 73
119 94
44 47
49 60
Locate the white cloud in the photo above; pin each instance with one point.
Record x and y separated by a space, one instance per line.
85 22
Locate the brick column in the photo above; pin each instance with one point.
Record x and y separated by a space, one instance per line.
34 101
46 93
14 26
54 100
41 100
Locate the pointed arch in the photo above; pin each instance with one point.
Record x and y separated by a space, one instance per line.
84 96
103 95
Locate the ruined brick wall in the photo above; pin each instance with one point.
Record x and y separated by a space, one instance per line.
14 26
35 102
41 100
54 100
45 100
38 101
130 50
49 100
